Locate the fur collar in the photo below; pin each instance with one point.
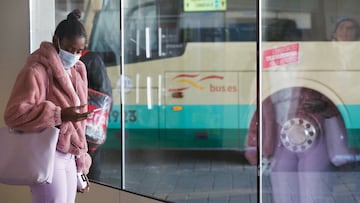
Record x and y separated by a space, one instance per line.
49 58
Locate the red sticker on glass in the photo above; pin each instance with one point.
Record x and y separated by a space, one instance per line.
282 55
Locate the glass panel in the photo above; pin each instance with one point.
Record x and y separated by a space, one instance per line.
192 91
102 58
310 133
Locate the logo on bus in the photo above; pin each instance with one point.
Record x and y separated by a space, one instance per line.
196 81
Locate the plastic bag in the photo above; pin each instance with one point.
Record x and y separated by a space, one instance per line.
96 125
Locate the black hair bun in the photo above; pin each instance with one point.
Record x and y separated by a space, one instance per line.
74 15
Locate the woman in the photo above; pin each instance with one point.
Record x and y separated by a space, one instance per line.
51 90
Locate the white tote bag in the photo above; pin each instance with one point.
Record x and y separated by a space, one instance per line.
27 157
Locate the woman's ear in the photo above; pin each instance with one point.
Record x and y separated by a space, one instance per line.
55 41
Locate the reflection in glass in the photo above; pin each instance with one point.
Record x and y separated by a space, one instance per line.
201 63
193 70
309 134
346 29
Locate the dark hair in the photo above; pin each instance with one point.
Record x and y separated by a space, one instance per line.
71 27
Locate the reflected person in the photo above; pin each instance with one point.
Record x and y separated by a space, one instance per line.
294 139
98 80
346 29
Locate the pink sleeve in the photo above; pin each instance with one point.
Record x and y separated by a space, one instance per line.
83 163
268 128
268 133
251 142
27 107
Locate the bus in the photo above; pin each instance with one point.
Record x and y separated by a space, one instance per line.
190 69
181 96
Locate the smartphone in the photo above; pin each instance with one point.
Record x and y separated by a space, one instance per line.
81 181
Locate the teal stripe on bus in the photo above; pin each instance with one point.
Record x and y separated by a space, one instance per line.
189 116
351 116
228 122
141 116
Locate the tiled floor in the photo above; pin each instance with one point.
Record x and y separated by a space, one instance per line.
212 177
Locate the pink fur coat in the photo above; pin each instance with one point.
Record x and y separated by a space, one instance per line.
41 89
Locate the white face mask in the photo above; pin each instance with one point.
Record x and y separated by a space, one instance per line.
68 59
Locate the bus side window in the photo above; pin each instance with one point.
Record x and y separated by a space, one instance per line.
105 36
282 30
242 32
152 32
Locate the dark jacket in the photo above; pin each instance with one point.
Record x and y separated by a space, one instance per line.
96 73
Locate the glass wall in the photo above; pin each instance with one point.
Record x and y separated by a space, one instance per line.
188 96
309 105
198 75
192 66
